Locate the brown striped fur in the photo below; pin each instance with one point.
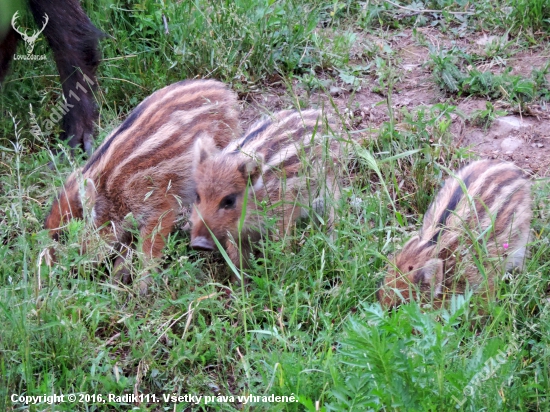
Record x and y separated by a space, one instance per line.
269 161
496 211
144 166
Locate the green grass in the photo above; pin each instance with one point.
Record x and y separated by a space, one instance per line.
308 323
453 73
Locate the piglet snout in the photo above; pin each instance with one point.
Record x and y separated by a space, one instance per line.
202 243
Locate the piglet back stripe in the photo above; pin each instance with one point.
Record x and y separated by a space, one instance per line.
445 211
152 122
490 186
153 152
138 112
252 135
99 153
278 138
457 196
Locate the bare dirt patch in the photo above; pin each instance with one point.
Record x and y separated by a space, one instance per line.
524 141
523 138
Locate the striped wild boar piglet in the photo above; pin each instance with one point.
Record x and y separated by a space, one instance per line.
476 229
144 166
280 163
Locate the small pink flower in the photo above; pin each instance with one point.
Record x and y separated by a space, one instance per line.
505 246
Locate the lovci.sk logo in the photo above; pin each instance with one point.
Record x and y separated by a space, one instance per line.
29 40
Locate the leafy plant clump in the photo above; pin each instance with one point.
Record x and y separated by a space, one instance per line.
453 72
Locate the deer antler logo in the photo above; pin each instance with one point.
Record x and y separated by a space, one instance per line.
29 40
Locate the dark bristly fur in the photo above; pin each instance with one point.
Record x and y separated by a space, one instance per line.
75 44
271 161
496 210
144 166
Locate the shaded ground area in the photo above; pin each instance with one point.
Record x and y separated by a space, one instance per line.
520 137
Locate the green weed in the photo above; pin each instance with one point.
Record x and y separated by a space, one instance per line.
445 70
484 118
453 72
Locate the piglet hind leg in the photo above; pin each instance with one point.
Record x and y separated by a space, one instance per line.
154 231
121 266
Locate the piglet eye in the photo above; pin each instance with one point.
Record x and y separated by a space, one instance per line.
229 202
197 198
411 268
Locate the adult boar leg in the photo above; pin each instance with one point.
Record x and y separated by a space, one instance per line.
7 50
75 44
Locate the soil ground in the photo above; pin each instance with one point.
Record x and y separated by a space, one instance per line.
523 138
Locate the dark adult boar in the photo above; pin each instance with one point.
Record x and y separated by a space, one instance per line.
280 161
494 208
144 166
75 44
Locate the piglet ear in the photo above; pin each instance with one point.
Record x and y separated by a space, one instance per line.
431 276
90 193
251 167
204 147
